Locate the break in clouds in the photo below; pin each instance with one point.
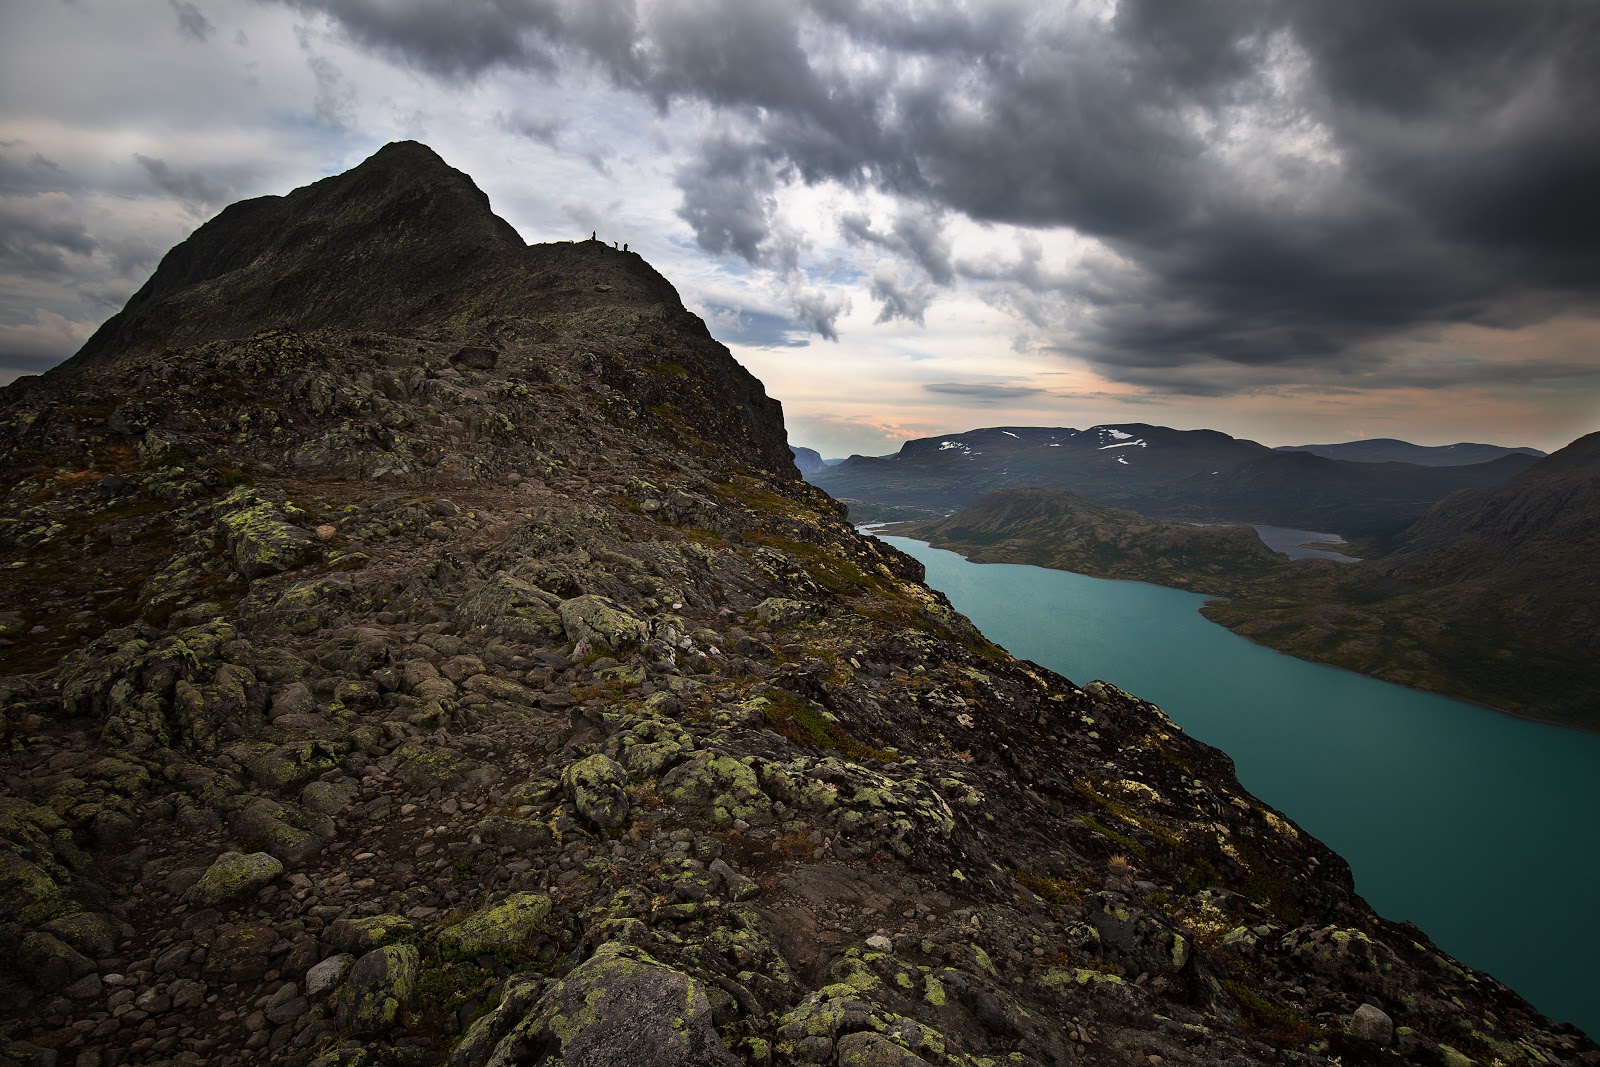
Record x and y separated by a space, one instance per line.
1271 188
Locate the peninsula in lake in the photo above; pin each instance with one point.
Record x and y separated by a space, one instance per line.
1492 596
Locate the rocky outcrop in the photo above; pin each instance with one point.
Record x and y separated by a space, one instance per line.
585 734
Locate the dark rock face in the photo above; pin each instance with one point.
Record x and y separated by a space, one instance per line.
406 245
571 725
807 460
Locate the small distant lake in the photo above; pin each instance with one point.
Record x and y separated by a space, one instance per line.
1293 543
1478 827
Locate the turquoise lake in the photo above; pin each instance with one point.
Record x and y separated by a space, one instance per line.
1478 827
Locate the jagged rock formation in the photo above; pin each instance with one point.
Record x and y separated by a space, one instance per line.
456 671
1493 595
1051 528
1179 475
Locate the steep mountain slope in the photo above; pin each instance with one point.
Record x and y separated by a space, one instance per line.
463 675
1494 595
807 460
1390 450
1199 475
1050 528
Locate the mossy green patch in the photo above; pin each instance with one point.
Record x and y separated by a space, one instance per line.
501 929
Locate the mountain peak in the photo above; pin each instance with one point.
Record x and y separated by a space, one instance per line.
378 246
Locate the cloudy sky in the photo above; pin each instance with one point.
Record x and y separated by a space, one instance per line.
1292 221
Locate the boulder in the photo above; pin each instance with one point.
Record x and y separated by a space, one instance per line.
323 978
599 623
380 984
234 874
369 932
620 1008
781 611
500 928
1370 1023
598 786
262 543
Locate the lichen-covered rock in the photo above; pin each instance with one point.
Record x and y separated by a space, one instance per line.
1348 955
1137 937
94 935
380 984
599 623
368 932
27 891
261 539
502 927
424 766
781 611
50 962
727 789
651 747
622 1008
265 826
874 1050
598 787
509 607
291 766
821 1026
234 874
517 997
177 692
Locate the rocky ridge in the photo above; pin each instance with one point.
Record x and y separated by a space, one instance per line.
468 678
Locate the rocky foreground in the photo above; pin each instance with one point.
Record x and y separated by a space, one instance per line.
481 685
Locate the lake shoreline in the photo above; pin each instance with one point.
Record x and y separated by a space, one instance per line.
1399 780
1462 695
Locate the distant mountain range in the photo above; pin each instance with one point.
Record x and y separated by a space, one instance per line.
1390 450
1196 475
1492 596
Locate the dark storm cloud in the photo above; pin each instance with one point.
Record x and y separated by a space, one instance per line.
23 171
191 23
899 300
917 233
727 199
1285 181
544 129
818 311
195 189
38 238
